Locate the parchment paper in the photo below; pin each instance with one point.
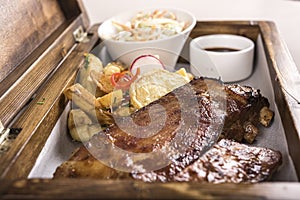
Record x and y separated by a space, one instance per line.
59 145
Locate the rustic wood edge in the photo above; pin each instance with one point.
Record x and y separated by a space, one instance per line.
14 99
120 189
32 187
23 66
24 29
86 20
285 75
38 120
21 85
249 29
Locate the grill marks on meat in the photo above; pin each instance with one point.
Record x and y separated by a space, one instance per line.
243 106
232 162
186 133
243 115
130 142
190 94
226 162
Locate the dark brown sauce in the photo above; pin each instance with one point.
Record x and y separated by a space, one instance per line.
221 49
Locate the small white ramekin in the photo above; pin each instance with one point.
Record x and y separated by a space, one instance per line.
230 66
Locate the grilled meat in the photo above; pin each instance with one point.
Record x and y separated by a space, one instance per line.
245 110
193 114
83 165
242 104
226 162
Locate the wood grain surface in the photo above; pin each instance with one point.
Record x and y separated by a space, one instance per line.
286 82
33 44
52 70
24 26
107 189
38 120
248 29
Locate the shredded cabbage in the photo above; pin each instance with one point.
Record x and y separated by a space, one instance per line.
149 26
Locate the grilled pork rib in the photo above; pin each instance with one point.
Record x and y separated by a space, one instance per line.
241 107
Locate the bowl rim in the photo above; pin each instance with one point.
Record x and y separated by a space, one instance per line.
185 31
194 43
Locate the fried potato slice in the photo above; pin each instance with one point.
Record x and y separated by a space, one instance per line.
87 102
185 74
80 126
103 79
153 85
113 98
92 63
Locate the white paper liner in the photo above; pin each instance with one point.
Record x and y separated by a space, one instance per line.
59 145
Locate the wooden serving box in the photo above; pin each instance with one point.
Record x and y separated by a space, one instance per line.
42 45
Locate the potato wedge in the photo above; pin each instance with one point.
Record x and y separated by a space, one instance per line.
87 102
82 98
80 126
103 79
113 98
185 74
92 63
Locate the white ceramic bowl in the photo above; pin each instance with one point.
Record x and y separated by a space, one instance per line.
225 56
168 49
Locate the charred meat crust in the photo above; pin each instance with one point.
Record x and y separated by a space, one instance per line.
241 107
244 105
226 162
232 162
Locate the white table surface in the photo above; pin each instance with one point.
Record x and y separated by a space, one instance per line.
285 13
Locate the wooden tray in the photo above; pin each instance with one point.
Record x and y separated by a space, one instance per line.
45 69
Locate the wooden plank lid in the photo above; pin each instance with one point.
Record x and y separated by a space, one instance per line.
33 42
